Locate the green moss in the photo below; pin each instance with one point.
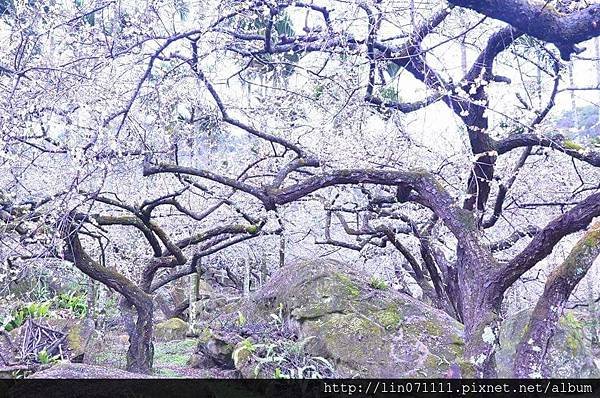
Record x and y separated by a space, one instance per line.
171 359
74 338
570 144
427 327
467 218
390 317
456 350
108 358
252 229
351 288
573 343
457 340
205 335
243 355
243 352
592 238
340 329
467 369
171 329
433 328
574 330
432 362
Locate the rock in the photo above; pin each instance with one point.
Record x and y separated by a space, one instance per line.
168 298
200 361
66 370
79 334
108 349
570 353
171 329
172 300
204 288
123 339
365 332
215 349
215 305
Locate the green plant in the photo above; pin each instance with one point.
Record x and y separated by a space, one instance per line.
378 283
278 374
45 358
287 359
75 302
40 292
241 319
278 318
21 314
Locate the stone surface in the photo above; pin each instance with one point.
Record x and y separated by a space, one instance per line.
171 329
365 332
168 298
80 333
215 348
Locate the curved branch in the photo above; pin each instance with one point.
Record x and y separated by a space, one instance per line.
555 142
532 350
576 219
541 20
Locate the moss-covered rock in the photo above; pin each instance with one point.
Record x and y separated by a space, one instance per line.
80 333
217 349
570 351
363 331
171 329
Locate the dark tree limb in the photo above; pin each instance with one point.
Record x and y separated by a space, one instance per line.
576 219
557 142
541 20
533 347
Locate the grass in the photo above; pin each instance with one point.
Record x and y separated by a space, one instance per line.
174 353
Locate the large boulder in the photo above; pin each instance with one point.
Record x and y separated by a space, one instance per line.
332 312
79 332
172 300
171 329
168 298
570 353
79 335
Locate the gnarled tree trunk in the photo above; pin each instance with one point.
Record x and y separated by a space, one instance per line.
140 353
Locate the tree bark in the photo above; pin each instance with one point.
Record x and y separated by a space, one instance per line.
541 20
533 347
281 251
141 351
193 301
